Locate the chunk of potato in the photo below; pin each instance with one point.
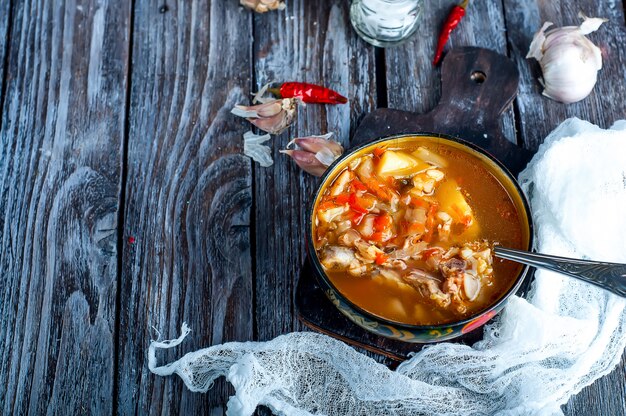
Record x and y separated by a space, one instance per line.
453 202
399 164
396 309
427 156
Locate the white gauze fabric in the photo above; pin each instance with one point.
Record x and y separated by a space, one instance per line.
534 356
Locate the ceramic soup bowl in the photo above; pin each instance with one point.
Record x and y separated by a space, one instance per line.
421 333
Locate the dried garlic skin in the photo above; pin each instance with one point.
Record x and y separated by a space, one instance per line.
254 148
262 6
569 60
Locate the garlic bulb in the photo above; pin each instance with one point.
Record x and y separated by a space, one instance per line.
569 61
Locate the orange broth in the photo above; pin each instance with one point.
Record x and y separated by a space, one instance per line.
495 218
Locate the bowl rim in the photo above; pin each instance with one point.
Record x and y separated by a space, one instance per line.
521 276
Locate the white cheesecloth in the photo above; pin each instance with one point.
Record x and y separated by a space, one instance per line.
536 354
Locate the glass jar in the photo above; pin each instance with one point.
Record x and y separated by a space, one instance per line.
385 22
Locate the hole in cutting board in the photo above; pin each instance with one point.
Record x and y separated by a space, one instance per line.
478 77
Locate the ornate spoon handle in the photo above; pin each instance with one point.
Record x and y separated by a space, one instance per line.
609 276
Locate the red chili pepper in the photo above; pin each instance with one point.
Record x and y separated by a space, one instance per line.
453 20
309 93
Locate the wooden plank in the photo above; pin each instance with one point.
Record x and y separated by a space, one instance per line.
607 396
539 115
60 178
5 14
188 197
312 44
413 84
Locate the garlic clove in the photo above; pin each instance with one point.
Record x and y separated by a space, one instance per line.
307 161
315 153
316 144
268 109
273 125
273 116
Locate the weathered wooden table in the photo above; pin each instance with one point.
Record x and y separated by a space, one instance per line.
126 203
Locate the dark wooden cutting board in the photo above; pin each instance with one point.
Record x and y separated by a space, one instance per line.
477 86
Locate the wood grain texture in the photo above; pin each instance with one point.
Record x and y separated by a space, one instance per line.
413 84
188 198
60 164
312 44
539 116
5 14
199 255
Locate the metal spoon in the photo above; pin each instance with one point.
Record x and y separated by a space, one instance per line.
609 276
